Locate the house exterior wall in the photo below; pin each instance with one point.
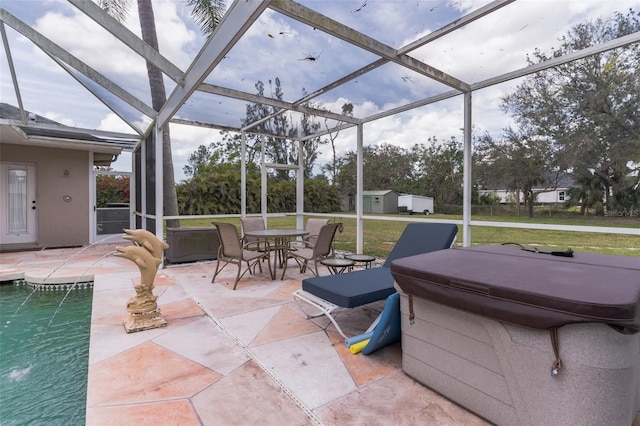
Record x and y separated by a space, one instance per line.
60 223
557 196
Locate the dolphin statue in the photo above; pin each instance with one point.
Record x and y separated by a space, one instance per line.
146 239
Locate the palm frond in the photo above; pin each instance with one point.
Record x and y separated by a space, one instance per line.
116 8
207 13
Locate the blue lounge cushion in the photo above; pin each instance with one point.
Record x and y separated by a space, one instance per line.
353 288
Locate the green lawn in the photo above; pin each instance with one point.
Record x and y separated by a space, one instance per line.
381 235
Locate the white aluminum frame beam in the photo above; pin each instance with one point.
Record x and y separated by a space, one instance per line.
127 37
288 106
96 94
12 71
341 31
458 23
54 50
235 23
603 47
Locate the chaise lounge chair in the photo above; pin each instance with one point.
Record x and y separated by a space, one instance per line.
353 289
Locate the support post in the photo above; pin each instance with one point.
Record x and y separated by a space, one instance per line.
263 180
159 183
359 190
243 174
466 177
300 187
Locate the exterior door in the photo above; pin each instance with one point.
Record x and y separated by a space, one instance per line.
111 204
18 207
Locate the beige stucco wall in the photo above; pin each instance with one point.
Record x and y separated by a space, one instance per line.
60 223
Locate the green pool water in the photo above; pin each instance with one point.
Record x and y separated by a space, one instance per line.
43 355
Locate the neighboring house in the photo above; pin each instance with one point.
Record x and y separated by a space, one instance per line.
47 179
379 201
553 194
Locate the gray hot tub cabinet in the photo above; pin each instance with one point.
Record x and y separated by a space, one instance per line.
500 368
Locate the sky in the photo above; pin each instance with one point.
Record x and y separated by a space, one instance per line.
304 59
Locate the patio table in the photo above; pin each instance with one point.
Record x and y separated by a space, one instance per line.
362 258
281 238
337 265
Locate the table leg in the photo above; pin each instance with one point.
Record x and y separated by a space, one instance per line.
285 256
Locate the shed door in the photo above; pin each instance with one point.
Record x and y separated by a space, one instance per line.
19 215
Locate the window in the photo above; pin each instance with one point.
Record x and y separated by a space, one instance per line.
561 195
17 201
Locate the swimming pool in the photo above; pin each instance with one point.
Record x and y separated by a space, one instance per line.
44 352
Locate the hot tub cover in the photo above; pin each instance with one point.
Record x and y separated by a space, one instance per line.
524 288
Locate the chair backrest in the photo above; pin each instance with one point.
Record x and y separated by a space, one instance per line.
325 238
419 238
252 224
229 239
314 226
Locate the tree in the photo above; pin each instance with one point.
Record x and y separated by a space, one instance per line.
214 170
279 148
111 189
277 134
331 169
589 107
208 14
524 163
215 189
198 160
385 166
438 170
225 151
589 195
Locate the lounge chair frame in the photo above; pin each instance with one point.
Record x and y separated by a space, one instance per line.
331 293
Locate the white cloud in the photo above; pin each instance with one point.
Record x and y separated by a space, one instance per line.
59 118
275 46
95 47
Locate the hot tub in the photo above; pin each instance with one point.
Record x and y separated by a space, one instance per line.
485 326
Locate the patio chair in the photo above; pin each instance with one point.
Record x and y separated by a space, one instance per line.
253 224
352 289
314 226
236 251
316 252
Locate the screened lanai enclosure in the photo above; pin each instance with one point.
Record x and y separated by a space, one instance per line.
407 69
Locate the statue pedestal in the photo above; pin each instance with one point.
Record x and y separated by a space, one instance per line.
144 321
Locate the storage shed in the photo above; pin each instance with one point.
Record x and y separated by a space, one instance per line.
385 201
